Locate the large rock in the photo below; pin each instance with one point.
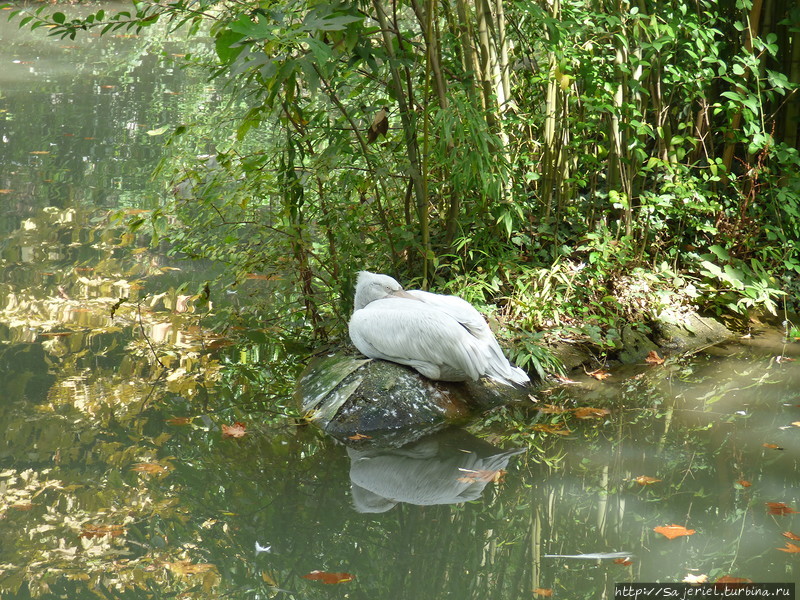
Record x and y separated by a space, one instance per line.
688 331
635 346
348 397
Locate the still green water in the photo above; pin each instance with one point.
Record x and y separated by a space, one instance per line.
116 479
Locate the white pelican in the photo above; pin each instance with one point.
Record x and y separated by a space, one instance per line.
442 337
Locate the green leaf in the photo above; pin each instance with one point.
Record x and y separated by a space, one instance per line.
228 46
322 52
720 252
160 131
59 17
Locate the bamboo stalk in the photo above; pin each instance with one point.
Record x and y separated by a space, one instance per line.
410 135
550 155
753 20
792 119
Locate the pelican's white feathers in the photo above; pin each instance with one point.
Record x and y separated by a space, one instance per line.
442 337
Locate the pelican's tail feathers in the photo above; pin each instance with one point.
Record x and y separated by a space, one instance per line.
510 375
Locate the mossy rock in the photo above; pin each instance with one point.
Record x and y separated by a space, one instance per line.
349 396
689 332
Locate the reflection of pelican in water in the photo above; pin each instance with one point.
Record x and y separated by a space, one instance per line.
442 337
445 468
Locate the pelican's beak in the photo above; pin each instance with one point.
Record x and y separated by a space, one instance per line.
404 294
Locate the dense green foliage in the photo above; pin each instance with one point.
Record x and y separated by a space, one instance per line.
578 164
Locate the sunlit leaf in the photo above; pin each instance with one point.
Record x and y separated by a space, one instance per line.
654 359
94 531
599 374
180 420
187 567
673 531
236 430
588 412
152 468
646 480
695 579
359 436
325 577
40 152
779 508
551 409
543 592
268 579
158 131
562 379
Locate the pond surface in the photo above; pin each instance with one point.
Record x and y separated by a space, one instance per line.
123 473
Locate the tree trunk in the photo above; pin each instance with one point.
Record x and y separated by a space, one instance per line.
410 134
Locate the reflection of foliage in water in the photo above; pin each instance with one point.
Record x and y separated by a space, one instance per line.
118 499
700 433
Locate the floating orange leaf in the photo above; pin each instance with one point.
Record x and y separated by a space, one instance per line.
625 562
790 547
558 429
654 359
40 152
779 508
732 579
791 536
673 531
744 483
645 480
90 531
695 579
599 374
588 412
543 592
5 191
329 577
359 436
772 446
562 379
236 430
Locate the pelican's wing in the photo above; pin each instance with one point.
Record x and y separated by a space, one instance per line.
462 311
413 333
